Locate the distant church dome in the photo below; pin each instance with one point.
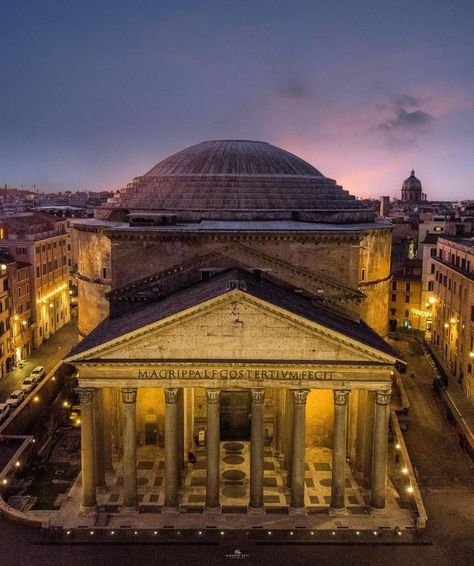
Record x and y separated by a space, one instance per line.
412 189
236 180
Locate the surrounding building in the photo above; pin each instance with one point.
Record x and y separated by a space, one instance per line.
5 338
453 332
40 240
417 224
234 292
405 305
16 326
21 321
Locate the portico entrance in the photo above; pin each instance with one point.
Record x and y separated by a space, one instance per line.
235 415
284 383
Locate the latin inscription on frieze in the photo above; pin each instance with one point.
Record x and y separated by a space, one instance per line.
244 374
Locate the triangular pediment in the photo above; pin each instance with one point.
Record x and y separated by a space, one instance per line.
234 326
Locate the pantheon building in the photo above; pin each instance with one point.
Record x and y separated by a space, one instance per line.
233 306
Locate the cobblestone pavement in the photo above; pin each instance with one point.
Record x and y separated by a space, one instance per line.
47 355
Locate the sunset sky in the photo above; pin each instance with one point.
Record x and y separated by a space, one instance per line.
95 93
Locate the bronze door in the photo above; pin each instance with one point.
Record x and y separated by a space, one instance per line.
151 433
235 415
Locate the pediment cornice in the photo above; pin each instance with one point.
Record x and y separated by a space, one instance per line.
235 297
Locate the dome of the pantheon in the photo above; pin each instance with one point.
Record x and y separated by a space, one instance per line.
235 180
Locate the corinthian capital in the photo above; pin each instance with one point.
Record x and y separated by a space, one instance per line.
86 394
213 395
171 395
382 397
129 395
341 397
300 396
258 396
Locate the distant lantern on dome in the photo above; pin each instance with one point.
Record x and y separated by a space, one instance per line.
412 190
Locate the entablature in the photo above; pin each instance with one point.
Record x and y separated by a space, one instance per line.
244 374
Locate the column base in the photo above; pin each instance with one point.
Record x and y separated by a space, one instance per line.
337 511
168 510
377 510
102 488
88 510
256 511
212 510
297 510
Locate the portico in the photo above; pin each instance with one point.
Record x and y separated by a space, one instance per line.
177 367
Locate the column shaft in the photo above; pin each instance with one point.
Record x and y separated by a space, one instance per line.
99 440
339 452
213 451
380 447
172 471
89 501
257 451
107 424
129 398
298 453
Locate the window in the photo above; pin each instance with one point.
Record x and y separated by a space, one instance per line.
104 273
407 298
38 249
433 267
394 285
5 284
21 251
433 252
362 275
393 312
38 271
407 313
394 298
407 287
430 285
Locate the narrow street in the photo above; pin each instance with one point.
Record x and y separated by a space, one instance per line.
47 355
444 470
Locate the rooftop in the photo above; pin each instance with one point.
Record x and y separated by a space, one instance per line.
265 289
